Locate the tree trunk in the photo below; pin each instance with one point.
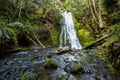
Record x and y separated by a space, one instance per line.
99 15
91 9
97 42
20 8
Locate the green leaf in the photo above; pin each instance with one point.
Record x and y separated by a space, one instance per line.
6 35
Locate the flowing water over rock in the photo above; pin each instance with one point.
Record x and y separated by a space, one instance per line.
68 33
30 65
38 64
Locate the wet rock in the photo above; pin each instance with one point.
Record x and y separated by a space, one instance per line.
88 72
60 74
38 62
49 56
10 62
36 57
73 67
49 63
23 64
61 77
35 51
101 77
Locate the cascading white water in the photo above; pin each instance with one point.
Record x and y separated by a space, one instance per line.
68 32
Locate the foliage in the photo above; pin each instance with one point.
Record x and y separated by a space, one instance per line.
56 37
8 38
112 7
28 19
110 51
21 28
115 29
36 13
85 36
22 32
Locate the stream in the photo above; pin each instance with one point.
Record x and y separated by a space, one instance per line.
31 64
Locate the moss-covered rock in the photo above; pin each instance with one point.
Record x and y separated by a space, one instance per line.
49 63
61 77
29 76
73 67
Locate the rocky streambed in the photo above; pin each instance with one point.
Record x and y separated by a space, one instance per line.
45 64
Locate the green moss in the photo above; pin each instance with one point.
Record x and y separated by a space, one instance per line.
111 40
56 37
49 63
76 68
61 77
29 76
111 67
85 36
73 67
116 29
113 61
103 54
110 52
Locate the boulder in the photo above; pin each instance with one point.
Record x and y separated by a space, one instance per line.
73 67
49 63
29 76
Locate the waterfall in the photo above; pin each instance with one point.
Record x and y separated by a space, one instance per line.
68 32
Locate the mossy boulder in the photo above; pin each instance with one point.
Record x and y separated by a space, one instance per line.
29 76
73 67
61 77
49 63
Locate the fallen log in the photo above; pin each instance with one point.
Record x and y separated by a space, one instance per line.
38 43
63 50
97 42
